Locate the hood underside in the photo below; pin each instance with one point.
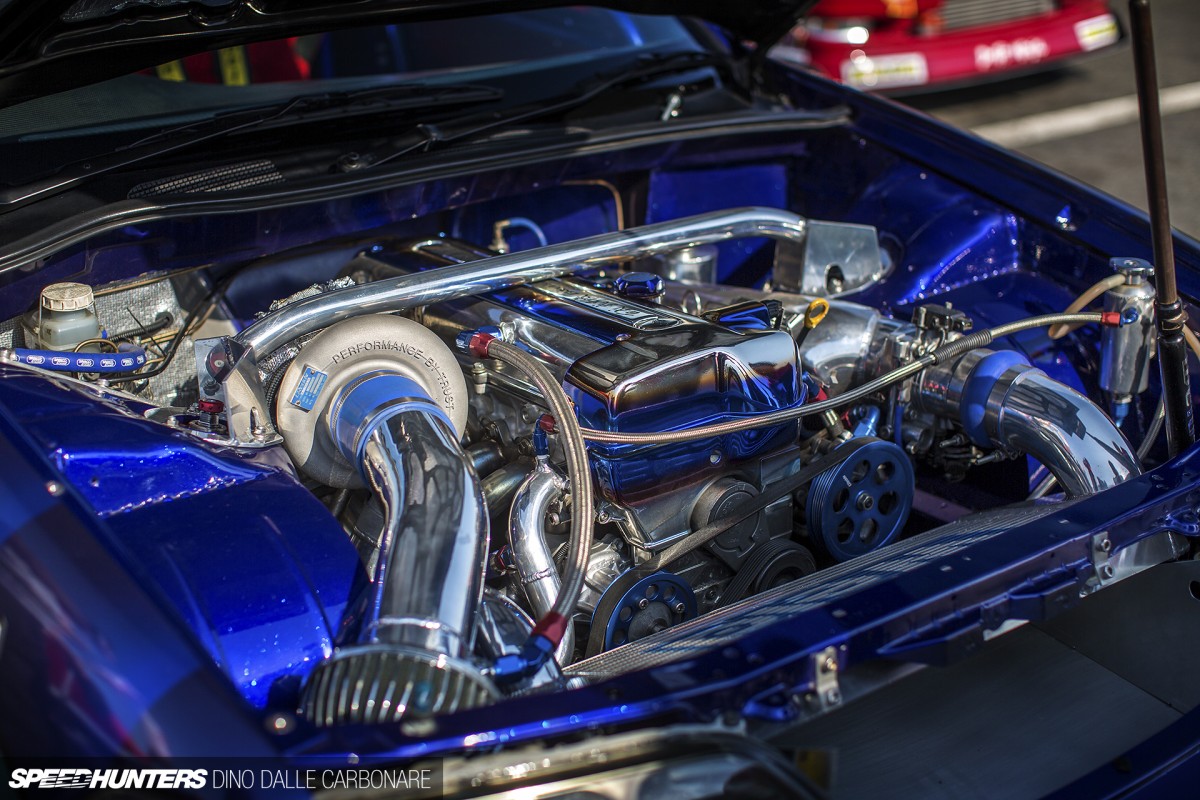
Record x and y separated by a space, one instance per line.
54 45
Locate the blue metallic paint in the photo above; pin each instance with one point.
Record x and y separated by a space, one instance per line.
244 554
235 565
675 193
91 652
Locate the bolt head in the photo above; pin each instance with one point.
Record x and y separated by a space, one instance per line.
643 603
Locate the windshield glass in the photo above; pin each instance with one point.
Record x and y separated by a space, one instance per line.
559 45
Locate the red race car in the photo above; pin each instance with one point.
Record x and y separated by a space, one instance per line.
900 45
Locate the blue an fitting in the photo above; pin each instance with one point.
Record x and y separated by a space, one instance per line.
868 420
978 388
514 667
370 400
1121 411
467 339
810 385
541 441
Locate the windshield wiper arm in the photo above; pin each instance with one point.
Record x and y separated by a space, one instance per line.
303 108
425 137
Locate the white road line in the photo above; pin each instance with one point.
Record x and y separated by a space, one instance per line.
1076 120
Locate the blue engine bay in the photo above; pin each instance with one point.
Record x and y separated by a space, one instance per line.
250 572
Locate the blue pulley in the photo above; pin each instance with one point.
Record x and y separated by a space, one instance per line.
654 603
862 503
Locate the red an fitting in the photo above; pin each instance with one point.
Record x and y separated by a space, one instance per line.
1111 318
552 626
479 344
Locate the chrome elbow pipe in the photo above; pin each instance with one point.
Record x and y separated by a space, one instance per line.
1069 434
412 652
354 415
527 537
433 550
1004 402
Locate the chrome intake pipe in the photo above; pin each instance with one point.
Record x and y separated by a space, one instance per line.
411 657
527 537
372 410
1004 402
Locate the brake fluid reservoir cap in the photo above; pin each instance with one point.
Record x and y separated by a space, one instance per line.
67 297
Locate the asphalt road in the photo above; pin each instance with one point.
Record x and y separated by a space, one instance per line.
1081 119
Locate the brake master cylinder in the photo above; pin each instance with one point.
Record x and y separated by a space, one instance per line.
65 316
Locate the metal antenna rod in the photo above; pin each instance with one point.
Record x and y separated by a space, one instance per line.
1169 313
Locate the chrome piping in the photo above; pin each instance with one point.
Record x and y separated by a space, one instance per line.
433 550
1030 412
527 537
413 649
231 364
514 269
1005 403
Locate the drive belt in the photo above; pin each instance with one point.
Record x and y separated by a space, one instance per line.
773 493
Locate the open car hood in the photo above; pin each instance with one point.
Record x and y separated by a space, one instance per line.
52 45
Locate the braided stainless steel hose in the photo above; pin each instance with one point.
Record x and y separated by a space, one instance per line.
955 348
578 474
